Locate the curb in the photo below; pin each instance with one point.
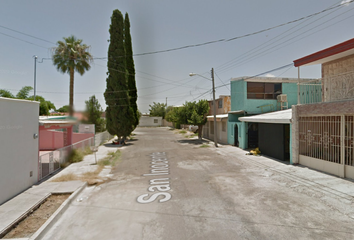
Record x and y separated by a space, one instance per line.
23 216
52 220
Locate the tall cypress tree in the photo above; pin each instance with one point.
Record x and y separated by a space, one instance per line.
119 114
133 95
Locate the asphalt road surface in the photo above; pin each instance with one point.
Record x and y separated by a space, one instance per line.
167 187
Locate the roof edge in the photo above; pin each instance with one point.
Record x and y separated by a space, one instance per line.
339 48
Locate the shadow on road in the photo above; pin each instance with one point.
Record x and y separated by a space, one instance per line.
193 141
128 143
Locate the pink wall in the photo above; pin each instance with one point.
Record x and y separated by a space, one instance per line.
49 140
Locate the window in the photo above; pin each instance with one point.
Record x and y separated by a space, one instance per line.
220 103
156 121
223 126
256 90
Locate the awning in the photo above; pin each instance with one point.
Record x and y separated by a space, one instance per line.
237 112
218 117
280 117
58 121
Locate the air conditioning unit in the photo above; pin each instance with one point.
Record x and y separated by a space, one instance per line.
282 98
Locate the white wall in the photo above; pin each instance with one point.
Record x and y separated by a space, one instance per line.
18 148
222 135
146 121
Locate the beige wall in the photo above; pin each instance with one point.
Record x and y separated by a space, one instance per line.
226 105
221 135
337 67
146 121
338 79
18 147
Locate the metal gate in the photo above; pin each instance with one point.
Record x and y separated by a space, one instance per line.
326 144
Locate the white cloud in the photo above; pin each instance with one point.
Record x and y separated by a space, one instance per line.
346 2
269 75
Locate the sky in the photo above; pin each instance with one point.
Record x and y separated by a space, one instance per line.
159 25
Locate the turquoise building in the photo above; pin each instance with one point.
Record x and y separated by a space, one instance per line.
256 96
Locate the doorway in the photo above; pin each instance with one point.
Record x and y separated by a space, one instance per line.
252 135
236 136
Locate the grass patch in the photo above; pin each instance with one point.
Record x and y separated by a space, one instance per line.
204 145
183 131
91 176
111 159
65 178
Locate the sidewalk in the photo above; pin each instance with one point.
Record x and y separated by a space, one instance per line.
17 207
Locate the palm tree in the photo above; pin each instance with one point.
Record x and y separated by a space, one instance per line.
70 56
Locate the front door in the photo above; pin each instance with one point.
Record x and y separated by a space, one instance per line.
236 136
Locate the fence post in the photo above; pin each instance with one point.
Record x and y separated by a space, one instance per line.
342 145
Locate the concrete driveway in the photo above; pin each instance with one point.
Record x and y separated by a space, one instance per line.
167 187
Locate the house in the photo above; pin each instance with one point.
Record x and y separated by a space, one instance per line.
323 132
149 121
223 106
260 111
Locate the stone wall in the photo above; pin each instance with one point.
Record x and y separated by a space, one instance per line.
338 79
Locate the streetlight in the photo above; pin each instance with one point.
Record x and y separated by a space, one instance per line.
35 70
35 76
214 105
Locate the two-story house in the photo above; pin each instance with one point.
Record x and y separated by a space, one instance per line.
261 112
323 132
223 106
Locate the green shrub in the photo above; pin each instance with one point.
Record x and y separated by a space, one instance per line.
75 155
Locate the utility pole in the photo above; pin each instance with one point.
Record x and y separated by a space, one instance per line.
214 109
35 68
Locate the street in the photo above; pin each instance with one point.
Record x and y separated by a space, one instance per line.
167 187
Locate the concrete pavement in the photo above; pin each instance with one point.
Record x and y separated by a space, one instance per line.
207 193
14 209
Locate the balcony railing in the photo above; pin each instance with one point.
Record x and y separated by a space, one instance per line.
310 92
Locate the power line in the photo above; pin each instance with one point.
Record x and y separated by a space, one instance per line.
13 30
273 70
222 82
242 36
253 53
22 40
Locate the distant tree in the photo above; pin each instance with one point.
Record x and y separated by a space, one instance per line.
193 113
69 56
119 114
132 91
5 93
196 113
44 105
24 92
158 110
176 115
93 114
63 109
